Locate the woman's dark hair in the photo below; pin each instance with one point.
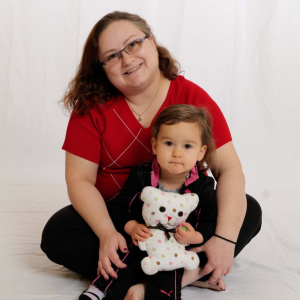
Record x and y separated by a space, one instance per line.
90 84
178 113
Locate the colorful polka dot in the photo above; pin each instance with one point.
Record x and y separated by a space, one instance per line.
181 205
170 263
153 249
174 196
155 199
163 256
159 241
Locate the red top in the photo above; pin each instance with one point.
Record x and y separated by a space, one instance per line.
111 136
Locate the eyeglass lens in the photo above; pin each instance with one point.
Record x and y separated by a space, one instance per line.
133 47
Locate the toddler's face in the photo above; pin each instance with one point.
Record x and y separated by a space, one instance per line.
178 147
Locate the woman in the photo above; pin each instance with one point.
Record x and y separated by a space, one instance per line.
123 81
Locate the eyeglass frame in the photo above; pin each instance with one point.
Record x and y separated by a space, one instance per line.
124 49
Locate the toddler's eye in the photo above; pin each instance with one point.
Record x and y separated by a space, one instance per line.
187 146
168 143
180 214
162 209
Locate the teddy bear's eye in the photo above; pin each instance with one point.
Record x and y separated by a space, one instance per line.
180 214
162 209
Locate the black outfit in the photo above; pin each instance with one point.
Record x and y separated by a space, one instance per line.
68 240
128 206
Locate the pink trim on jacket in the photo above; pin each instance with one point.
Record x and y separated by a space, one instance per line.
193 176
132 200
155 173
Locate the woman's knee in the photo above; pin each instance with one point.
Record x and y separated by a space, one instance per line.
55 233
254 212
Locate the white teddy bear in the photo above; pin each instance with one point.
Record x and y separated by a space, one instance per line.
166 210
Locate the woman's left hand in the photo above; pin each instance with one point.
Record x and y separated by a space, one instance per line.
220 256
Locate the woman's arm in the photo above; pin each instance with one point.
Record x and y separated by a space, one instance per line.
81 177
231 201
230 192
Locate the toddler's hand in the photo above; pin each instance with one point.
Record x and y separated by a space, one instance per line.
190 236
139 232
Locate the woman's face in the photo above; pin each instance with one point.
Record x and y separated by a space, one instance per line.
144 62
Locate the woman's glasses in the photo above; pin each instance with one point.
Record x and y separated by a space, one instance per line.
131 48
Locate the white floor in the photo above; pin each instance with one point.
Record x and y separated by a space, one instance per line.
266 269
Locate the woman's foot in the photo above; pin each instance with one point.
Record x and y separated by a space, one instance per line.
136 292
216 286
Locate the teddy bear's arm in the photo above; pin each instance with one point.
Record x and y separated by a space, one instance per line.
142 245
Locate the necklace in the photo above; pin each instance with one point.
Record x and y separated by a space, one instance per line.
140 119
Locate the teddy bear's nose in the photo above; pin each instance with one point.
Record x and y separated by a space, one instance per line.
169 218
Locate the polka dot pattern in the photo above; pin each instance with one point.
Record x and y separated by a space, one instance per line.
171 210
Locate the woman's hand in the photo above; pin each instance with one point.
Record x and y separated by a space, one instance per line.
220 255
190 236
139 232
110 242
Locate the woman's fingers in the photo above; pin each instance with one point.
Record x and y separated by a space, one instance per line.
115 259
122 244
216 274
206 270
106 269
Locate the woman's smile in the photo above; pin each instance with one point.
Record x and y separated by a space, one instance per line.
133 70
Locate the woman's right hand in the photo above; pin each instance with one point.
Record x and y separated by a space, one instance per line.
110 242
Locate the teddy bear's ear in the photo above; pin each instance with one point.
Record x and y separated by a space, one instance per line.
145 192
194 200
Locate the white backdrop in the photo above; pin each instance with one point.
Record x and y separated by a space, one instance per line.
245 54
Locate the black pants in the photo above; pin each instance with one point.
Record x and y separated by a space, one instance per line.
160 286
69 241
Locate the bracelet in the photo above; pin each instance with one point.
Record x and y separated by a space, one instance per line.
224 239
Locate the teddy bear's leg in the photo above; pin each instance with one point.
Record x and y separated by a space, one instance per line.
151 265
192 261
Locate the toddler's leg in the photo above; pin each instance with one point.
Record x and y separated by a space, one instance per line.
92 293
164 283
133 274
